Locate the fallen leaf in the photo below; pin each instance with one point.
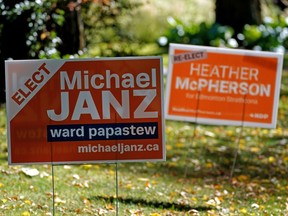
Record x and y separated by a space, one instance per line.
168 147
271 159
255 206
155 214
44 174
86 201
86 166
109 207
147 185
30 171
169 129
193 212
209 134
209 165
76 176
102 211
129 186
13 198
213 202
67 167
255 149
111 172
86 184
243 210
58 200
194 199
229 132
25 213
78 211
28 202
135 212
243 178
180 145
143 179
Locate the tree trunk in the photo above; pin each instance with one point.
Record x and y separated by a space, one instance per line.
237 13
72 32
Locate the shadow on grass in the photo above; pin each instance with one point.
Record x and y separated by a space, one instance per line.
154 203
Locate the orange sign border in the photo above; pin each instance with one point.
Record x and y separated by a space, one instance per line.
42 75
175 49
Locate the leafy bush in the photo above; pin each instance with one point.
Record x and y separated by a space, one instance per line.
103 29
45 23
272 35
198 34
41 18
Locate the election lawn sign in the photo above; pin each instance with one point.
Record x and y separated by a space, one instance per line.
223 86
85 110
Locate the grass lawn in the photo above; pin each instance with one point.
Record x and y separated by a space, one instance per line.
195 180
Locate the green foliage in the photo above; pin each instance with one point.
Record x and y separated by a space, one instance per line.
119 28
103 29
42 18
272 35
197 34
103 24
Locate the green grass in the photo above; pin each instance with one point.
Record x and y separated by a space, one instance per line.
195 180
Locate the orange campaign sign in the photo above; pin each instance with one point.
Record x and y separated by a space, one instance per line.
85 110
223 86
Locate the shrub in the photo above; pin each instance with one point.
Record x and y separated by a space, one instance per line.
197 34
272 35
